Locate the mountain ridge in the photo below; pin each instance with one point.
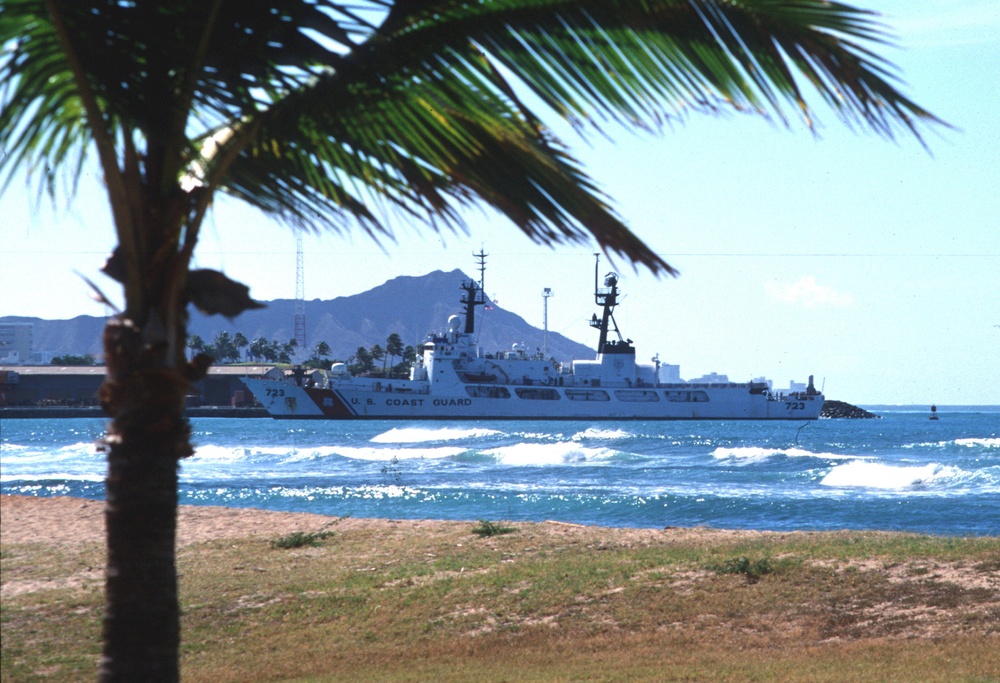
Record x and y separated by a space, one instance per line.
410 306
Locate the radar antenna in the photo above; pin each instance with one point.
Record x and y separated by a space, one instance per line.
474 294
607 298
481 258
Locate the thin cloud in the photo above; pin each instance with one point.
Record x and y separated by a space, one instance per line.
946 22
808 293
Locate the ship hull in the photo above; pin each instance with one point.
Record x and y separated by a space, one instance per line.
452 379
284 400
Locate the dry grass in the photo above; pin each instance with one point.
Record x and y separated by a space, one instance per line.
387 601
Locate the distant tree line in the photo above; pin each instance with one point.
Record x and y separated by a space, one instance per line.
228 348
392 360
271 351
70 359
365 361
319 354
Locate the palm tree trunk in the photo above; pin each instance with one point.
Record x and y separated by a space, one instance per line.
148 435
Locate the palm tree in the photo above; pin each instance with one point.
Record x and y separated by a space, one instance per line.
224 348
393 347
378 353
196 343
315 360
286 351
327 114
364 362
241 342
322 350
260 348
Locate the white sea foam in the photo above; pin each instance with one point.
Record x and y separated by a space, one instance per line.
874 475
979 443
78 448
971 442
559 453
387 454
596 433
32 455
13 447
212 453
307 454
748 454
364 492
423 434
50 476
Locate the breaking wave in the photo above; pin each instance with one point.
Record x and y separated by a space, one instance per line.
873 475
559 453
379 454
970 442
749 454
423 435
50 476
979 443
597 433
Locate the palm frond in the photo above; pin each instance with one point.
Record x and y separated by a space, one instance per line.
346 114
635 61
42 121
418 118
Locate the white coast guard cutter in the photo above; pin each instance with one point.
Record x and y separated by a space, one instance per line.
453 379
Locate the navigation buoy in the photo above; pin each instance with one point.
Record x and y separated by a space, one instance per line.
934 413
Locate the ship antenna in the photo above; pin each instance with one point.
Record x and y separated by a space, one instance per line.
481 257
607 299
474 295
597 269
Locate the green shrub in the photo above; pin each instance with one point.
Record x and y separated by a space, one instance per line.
300 539
752 569
487 528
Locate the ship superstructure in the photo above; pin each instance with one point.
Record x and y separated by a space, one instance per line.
453 379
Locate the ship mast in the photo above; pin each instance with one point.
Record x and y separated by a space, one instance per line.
474 294
607 298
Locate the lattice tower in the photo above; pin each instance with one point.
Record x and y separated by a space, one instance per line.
300 296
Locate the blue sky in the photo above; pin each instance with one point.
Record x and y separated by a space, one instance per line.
871 264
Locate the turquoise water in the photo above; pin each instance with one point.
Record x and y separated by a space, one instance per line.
903 472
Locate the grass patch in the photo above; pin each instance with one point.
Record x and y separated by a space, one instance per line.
301 539
415 601
485 528
753 570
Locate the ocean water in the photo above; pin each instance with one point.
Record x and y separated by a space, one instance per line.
903 472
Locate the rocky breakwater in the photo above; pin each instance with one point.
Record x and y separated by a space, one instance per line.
841 409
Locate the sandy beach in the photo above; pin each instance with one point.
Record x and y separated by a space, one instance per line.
73 520
563 600
64 520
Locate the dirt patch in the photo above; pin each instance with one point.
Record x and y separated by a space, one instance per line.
63 520
868 597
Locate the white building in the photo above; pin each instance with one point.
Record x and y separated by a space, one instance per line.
794 387
670 374
710 378
16 343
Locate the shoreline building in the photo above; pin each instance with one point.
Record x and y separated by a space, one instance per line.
16 343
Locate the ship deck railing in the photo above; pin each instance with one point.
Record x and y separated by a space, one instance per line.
703 385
